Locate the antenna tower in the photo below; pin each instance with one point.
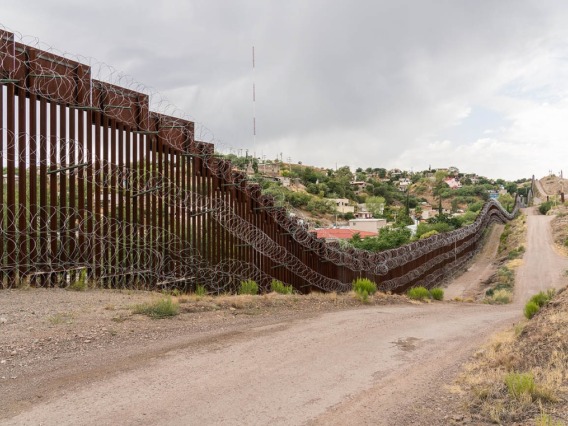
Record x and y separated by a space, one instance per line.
253 101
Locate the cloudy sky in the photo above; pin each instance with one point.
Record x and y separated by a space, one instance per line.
481 85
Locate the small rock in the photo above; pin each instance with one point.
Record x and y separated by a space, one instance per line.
14 353
87 341
3 320
3 361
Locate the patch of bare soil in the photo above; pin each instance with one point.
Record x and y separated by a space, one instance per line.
539 350
46 334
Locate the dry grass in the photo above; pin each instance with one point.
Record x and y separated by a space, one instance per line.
256 304
536 349
514 235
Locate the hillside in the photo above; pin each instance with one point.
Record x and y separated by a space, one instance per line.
311 192
554 185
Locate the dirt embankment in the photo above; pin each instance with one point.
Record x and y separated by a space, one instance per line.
520 376
553 185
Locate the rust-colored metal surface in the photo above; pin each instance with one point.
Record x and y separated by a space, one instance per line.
97 186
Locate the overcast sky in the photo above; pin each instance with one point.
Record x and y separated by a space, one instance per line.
477 84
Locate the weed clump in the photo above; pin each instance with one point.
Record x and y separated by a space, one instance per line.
200 290
281 288
162 308
437 293
248 287
536 302
520 384
363 288
364 284
516 253
418 293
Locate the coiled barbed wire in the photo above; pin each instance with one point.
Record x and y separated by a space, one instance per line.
55 77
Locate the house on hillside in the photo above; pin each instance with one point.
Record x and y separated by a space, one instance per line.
403 184
393 173
359 186
363 215
453 183
368 225
343 205
427 211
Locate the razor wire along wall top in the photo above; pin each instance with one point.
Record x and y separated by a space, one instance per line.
94 182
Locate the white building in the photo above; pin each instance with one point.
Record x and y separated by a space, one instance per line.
368 225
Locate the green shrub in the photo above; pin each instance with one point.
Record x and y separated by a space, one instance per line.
159 309
545 207
437 293
280 287
531 308
537 301
518 252
248 287
519 384
364 284
540 299
200 290
418 293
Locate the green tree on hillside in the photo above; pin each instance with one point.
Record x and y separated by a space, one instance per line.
375 205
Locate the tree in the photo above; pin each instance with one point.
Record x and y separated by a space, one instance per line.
388 238
511 188
507 201
375 205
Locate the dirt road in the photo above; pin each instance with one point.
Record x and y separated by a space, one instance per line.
381 365
467 284
543 267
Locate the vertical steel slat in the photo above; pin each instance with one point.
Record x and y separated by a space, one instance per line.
10 225
164 207
153 201
173 189
82 159
53 202
180 189
113 253
23 258
72 202
134 199
43 215
62 163
148 207
194 206
105 179
2 200
97 179
125 198
91 164
33 220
